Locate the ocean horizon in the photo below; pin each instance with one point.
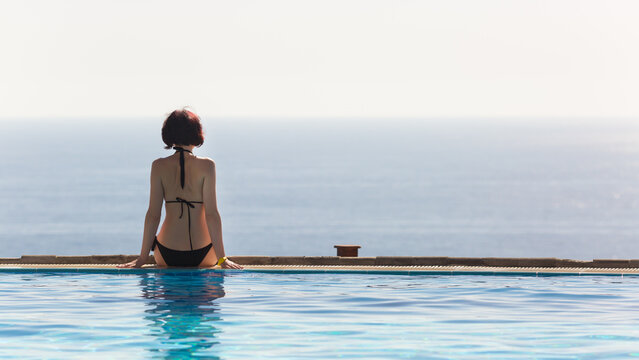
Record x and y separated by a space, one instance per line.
398 187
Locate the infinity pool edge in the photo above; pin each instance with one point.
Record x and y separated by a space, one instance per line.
335 269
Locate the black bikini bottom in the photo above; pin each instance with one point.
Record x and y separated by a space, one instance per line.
181 257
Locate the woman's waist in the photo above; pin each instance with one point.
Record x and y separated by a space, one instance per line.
175 224
178 237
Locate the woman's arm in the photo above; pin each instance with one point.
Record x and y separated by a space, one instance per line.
152 218
213 219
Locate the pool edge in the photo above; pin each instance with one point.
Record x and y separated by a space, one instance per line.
331 269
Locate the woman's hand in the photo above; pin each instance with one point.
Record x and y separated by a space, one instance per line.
228 264
133 264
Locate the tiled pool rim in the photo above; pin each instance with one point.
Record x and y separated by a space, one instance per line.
398 265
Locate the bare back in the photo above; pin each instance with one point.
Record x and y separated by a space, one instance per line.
174 232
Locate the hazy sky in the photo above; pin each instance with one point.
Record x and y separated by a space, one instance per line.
288 58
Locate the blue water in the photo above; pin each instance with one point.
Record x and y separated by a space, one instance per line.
244 315
473 187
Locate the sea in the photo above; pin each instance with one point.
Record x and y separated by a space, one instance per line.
566 188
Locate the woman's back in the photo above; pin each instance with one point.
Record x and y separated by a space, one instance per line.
174 232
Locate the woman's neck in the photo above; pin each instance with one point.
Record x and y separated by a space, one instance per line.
186 147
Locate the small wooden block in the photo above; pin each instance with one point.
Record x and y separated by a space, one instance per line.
347 250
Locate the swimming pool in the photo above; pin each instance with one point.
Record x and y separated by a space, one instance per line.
217 314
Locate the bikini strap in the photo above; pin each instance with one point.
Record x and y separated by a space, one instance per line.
189 205
181 150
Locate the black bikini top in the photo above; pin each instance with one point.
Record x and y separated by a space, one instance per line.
189 204
181 150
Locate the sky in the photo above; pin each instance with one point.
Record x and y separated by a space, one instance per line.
307 58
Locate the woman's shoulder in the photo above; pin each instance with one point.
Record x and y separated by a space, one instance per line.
159 161
206 165
203 160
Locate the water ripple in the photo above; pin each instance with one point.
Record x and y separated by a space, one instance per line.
299 316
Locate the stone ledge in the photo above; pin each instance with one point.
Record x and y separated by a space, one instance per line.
71 259
348 261
311 269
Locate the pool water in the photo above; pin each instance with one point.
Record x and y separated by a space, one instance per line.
257 315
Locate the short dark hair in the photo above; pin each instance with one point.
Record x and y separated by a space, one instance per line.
182 127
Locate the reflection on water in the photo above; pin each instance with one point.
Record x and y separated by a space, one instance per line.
181 312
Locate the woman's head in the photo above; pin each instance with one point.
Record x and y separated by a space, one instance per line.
182 127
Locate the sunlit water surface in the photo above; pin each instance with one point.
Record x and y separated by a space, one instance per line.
245 315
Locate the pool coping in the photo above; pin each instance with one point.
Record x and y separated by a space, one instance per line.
346 261
333 269
433 265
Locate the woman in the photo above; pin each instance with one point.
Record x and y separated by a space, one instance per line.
187 183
